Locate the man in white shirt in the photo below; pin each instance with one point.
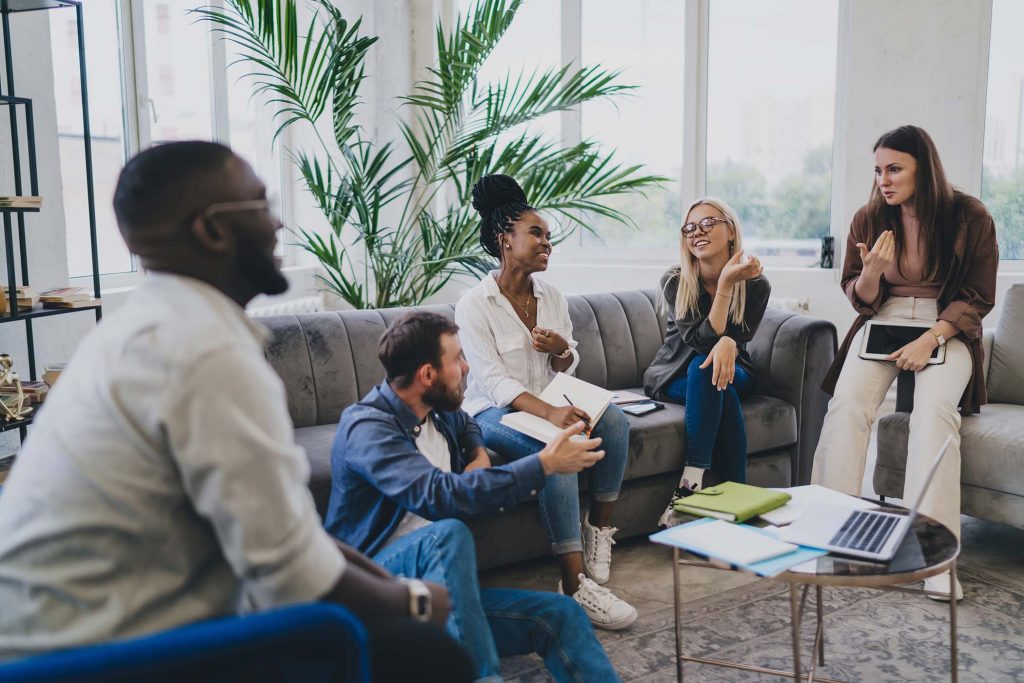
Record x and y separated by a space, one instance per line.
160 484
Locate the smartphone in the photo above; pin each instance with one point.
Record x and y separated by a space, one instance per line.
638 409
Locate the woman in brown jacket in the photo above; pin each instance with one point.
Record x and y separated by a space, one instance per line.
918 251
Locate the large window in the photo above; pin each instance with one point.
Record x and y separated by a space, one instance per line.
156 74
1002 183
771 97
106 118
645 127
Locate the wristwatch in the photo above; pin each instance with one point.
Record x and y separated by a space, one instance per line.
938 338
564 354
419 599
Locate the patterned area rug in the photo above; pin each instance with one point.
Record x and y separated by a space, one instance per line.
871 635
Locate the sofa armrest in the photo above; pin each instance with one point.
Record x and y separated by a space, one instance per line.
791 355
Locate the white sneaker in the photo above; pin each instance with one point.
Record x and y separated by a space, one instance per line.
939 584
597 551
603 609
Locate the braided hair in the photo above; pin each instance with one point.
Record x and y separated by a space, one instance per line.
500 202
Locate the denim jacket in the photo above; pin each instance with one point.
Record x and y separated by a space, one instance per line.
377 474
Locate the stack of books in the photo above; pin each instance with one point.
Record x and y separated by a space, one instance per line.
52 372
35 390
68 297
27 297
17 202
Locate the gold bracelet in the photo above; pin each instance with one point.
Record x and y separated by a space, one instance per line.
723 295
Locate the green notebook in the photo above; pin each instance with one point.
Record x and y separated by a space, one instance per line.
732 502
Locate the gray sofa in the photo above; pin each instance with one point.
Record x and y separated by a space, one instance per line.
328 361
992 442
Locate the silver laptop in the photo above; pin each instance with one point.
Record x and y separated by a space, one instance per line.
870 534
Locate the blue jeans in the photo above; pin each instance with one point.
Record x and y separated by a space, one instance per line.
499 622
560 498
716 436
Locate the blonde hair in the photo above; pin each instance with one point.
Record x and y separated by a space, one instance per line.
690 287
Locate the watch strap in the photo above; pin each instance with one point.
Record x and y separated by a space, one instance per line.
420 608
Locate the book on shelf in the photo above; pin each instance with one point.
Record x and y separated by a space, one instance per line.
82 303
20 202
731 501
52 371
563 390
34 390
64 295
26 296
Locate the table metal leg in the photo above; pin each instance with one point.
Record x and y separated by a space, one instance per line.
677 600
821 629
953 658
794 618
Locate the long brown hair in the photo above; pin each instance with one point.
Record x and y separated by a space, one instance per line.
933 202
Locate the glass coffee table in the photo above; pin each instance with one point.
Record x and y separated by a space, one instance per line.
929 549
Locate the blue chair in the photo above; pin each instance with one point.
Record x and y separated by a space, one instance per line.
315 642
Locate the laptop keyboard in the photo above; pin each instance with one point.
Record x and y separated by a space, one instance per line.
864 531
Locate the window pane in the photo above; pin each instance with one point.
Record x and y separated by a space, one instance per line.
532 43
769 139
107 125
177 71
645 127
1002 183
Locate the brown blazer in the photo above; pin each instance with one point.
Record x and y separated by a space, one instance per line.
967 295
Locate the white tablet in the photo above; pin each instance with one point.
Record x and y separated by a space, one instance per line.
884 337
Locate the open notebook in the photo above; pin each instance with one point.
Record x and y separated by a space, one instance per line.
591 399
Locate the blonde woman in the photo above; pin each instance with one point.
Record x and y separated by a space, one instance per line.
714 300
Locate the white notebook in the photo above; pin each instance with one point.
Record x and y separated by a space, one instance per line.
802 497
730 542
563 389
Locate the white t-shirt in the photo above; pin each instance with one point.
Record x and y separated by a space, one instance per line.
434 447
160 484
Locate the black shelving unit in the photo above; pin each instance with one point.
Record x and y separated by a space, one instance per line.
16 216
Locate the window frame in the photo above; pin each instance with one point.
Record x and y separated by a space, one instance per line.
139 107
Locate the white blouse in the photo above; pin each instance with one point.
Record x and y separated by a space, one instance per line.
498 346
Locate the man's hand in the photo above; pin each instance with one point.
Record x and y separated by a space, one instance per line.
567 456
564 417
440 603
480 461
881 255
723 361
914 356
548 341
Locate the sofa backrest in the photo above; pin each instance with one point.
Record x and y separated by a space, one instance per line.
329 360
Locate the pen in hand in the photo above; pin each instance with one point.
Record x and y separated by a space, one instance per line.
585 420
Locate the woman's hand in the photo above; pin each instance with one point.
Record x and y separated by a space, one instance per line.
564 417
881 255
914 356
737 270
723 361
548 341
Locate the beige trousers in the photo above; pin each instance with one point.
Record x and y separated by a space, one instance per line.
841 455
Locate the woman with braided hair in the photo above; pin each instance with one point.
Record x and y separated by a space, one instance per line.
516 333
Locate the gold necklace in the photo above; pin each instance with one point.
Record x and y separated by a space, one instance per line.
525 306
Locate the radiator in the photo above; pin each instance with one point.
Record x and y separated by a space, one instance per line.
305 304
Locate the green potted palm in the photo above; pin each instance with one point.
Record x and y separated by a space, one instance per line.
406 203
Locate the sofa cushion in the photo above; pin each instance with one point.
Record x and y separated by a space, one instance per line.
990 447
656 440
1006 369
318 441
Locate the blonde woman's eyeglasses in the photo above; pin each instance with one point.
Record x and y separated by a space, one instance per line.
705 225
